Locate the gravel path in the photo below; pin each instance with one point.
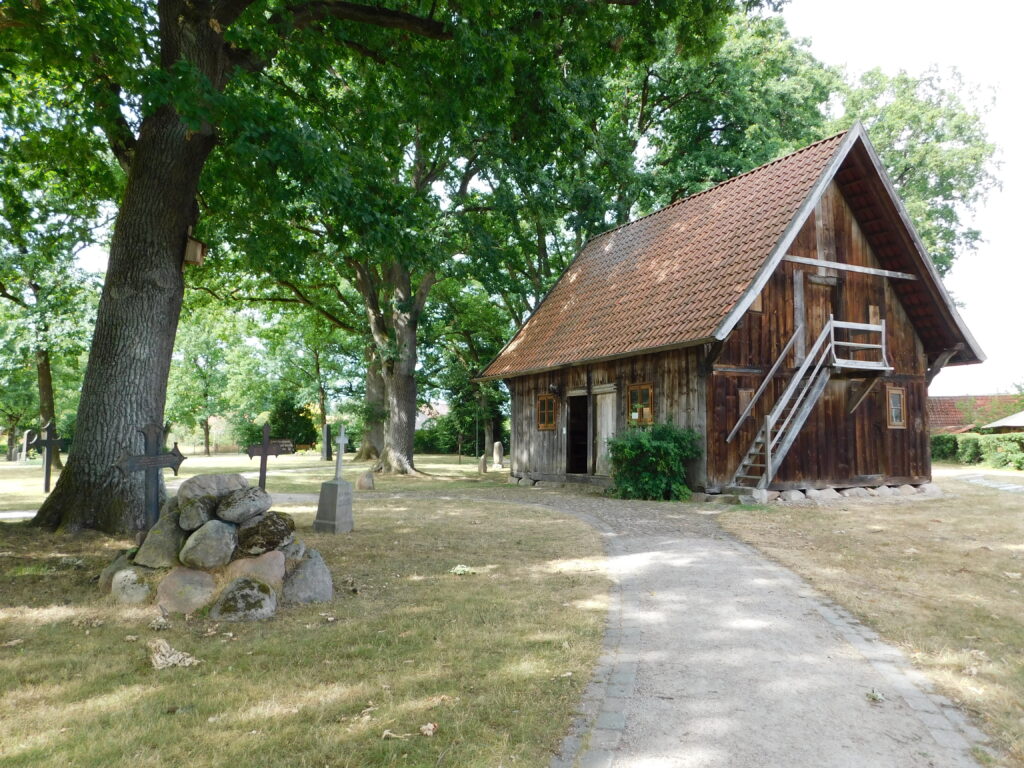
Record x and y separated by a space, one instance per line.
715 657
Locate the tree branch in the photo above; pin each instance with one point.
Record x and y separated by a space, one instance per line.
4 293
306 14
422 291
227 12
320 310
362 50
120 135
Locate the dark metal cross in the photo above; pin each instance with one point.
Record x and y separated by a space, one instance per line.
264 449
151 462
47 442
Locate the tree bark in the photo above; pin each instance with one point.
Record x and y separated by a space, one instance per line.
372 442
321 397
395 335
47 410
488 437
125 381
400 392
205 424
12 445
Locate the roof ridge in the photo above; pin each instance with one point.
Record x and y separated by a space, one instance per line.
730 180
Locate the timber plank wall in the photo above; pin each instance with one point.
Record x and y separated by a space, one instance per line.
679 391
834 447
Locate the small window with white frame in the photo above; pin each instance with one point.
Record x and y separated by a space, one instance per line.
896 407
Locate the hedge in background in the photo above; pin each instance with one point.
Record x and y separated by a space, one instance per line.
944 447
1004 450
968 449
650 463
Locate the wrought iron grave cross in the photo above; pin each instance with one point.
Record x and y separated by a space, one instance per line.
264 449
47 442
151 462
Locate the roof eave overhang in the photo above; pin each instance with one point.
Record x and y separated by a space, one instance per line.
592 360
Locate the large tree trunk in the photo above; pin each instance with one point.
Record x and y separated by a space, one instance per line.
488 438
126 378
400 391
205 424
394 335
12 445
372 442
47 409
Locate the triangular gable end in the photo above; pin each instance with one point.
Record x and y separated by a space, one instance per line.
857 138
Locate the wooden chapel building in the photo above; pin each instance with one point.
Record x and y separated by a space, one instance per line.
790 315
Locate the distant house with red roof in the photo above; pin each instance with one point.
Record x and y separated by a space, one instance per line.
954 414
790 315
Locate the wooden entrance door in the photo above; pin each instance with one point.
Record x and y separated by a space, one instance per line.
816 297
576 436
604 407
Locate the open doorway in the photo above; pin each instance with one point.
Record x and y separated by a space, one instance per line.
576 437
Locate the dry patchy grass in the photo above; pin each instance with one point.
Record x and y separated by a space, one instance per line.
497 659
941 578
21 485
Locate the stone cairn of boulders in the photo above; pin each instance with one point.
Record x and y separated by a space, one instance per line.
219 545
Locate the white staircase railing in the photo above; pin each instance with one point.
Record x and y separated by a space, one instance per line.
764 384
784 421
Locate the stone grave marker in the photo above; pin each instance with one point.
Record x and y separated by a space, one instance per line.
334 510
325 443
499 455
481 467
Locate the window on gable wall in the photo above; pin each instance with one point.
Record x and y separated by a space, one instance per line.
896 400
547 407
641 403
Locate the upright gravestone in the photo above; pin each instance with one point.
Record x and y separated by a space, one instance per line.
481 466
334 512
325 443
499 455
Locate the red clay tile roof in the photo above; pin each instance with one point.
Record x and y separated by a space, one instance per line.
944 415
669 278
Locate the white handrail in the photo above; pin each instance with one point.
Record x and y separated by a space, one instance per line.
797 378
858 326
806 378
795 381
764 384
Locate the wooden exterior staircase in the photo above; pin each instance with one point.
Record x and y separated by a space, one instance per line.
789 413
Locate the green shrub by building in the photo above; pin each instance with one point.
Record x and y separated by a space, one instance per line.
650 462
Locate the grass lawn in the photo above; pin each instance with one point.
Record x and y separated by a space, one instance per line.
497 659
21 485
941 578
